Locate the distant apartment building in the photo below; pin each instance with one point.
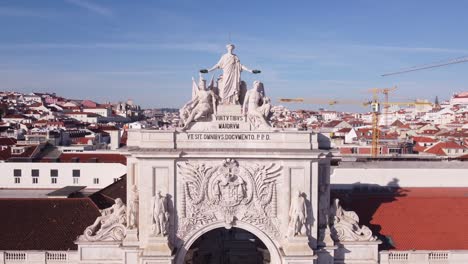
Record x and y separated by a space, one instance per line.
93 170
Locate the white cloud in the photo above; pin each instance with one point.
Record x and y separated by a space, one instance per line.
92 7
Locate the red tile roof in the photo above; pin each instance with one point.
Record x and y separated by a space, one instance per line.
105 197
44 224
5 141
344 130
414 218
419 148
53 223
93 157
424 139
438 148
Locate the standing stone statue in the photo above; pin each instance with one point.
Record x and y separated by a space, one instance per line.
256 106
160 214
298 214
133 208
229 86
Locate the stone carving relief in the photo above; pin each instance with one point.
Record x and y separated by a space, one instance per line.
110 226
132 222
229 192
298 215
159 215
345 225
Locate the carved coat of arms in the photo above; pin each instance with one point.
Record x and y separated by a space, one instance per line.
229 192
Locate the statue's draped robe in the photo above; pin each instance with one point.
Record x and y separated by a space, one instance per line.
230 83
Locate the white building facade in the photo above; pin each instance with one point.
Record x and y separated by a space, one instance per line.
55 175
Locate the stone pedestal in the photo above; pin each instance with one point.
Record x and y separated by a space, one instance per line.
158 246
156 260
99 252
297 250
131 238
157 251
326 255
357 252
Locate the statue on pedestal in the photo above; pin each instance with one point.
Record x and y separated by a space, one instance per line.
345 225
133 208
109 226
256 106
298 215
160 214
229 85
202 105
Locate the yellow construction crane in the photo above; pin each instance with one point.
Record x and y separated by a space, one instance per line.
385 92
375 109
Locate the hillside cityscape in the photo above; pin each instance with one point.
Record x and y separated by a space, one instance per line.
38 121
246 132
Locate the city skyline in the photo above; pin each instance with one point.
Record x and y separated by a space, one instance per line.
113 50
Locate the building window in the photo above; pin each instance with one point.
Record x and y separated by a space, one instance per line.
53 173
96 180
17 173
76 180
53 180
35 180
116 179
35 173
76 173
17 180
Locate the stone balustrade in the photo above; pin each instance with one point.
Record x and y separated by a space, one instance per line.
424 257
38 257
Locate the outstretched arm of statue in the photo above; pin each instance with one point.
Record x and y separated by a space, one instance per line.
210 69
244 68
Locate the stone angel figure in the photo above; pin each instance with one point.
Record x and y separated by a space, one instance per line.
203 103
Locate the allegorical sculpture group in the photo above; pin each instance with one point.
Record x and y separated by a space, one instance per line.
228 89
227 191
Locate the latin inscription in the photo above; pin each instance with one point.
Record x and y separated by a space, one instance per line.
227 136
228 126
229 118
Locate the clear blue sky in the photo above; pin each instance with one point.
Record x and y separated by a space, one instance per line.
110 50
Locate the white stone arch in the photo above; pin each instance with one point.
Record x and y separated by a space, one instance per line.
273 249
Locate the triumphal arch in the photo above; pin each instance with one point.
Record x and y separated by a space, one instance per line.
227 187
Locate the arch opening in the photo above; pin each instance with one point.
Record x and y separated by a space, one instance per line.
228 246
